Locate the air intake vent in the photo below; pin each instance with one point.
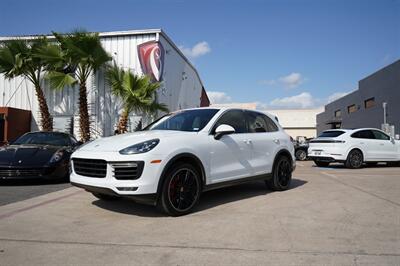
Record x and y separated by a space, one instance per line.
90 167
127 170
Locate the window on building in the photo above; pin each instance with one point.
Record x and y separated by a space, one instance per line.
351 108
369 103
338 113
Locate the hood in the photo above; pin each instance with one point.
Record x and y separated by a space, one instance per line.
26 155
119 142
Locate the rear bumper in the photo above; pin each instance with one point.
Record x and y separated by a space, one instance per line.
149 199
323 159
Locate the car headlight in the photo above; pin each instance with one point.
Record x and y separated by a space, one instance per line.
141 147
57 157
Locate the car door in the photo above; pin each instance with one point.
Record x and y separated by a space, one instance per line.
365 139
263 141
387 148
230 155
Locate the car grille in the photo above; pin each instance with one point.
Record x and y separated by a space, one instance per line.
90 167
10 172
127 170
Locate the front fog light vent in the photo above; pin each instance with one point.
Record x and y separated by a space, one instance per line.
127 188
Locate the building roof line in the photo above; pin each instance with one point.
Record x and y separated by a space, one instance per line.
115 34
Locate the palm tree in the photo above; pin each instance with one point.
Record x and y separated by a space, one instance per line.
78 55
137 94
18 58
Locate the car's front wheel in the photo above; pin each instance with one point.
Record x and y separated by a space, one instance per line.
181 190
281 174
301 155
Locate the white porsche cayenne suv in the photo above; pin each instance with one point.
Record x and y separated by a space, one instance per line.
354 147
174 159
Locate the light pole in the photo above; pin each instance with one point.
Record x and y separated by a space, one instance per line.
384 105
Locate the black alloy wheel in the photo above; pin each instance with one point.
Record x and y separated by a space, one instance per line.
354 159
281 175
301 155
181 190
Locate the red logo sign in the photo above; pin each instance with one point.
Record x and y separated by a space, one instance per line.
151 56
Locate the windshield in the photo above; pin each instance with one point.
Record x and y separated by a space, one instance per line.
44 138
331 134
188 120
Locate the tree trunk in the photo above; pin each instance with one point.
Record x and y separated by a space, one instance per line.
123 122
84 123
46 121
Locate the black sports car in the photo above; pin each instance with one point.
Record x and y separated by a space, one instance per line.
38 155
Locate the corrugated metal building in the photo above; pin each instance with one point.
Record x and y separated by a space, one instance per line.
181 84
364 107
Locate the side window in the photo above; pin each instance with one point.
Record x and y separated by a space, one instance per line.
270 124
363 134
256 122
234 118
73 141
381 136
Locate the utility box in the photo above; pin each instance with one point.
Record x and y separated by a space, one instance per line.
13 123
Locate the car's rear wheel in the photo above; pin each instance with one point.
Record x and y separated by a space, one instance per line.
355 159
281 174
321 163
301 155
181 190
105 197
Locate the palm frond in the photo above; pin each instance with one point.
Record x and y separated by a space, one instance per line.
59 80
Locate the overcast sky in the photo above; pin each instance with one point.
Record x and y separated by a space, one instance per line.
281 54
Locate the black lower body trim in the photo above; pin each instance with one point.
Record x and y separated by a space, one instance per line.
149 199
237 181
322 159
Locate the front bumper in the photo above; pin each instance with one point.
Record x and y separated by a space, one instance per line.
147 183
23 173
150 199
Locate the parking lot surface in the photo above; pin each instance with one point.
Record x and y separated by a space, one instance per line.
17 190
330 216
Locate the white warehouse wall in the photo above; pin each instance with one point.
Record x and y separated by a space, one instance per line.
180 87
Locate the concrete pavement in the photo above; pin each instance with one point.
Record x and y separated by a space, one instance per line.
331 216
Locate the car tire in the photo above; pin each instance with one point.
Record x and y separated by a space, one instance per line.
321 163
181 190
355 159
301 155
104 197
281 174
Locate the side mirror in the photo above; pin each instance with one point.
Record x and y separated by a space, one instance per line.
223 130
397 137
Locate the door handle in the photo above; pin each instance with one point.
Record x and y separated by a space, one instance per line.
276 141
382 144
247 141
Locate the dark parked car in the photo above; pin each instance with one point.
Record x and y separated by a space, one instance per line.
301 149
38 155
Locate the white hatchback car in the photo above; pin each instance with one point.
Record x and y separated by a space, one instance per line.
182 154
354 147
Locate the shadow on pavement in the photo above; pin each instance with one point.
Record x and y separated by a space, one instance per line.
342 166
208 199
31 182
